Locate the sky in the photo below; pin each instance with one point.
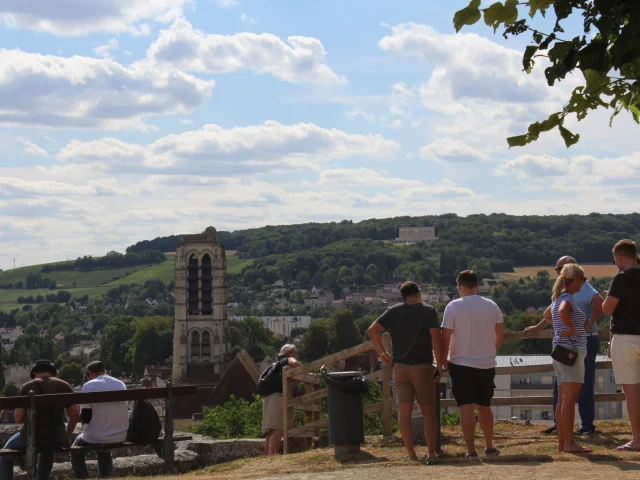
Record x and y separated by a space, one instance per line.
125 120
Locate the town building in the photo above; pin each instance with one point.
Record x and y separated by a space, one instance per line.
541 384
416 234
281 325
201 347
9 336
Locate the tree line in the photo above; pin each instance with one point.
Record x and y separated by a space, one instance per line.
110 260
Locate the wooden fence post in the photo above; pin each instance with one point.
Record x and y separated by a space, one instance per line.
437 407
386 401
31 453
168 452
287 412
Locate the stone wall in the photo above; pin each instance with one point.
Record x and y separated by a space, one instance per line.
190 455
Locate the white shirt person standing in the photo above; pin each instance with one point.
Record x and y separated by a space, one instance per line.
105 423
472 331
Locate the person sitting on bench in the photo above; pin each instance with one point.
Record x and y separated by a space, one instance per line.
49 425
105 423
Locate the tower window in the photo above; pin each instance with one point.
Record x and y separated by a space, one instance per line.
195 346
192 286
206 270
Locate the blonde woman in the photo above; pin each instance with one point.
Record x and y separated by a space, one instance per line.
570 334
272 404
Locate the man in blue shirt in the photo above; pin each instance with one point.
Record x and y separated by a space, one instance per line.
590 302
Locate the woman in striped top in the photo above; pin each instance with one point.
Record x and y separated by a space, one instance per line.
569 332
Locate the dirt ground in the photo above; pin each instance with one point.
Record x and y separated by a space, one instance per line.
527 454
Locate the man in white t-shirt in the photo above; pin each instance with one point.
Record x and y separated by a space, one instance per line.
472 331
105 423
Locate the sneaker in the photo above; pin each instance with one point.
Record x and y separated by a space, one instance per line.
431 460
471 455
580 432
549 430
413 458
492 452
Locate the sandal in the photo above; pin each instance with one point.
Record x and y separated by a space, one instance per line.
431 460
626 448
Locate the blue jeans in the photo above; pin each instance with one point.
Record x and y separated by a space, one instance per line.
45 458
586 399
79 463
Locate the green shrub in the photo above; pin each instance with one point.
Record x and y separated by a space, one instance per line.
449 419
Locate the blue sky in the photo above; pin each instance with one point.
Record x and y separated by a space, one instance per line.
138 120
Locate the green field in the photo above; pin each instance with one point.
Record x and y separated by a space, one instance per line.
97 282
66 278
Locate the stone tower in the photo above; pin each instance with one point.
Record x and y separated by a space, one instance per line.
201 348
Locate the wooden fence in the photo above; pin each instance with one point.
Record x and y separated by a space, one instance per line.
310 401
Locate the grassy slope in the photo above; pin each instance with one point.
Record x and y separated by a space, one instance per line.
97 282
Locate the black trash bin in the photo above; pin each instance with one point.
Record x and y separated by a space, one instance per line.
346 410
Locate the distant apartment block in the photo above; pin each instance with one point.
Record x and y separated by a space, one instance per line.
541 384
281 325
416 234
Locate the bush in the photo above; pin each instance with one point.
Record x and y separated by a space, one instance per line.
449 419
237 418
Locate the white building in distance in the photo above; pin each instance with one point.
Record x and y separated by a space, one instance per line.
416 234
281 325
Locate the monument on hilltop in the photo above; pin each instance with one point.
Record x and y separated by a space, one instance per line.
201 347
416 234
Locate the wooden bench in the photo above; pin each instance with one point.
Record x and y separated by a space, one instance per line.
164 445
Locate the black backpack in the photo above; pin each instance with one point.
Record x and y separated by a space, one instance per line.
144 424
270 380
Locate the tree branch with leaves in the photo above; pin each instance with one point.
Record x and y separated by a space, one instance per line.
607 55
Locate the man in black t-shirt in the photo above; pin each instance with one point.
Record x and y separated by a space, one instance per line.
415 334
623 304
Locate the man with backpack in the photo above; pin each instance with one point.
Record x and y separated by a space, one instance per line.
105 423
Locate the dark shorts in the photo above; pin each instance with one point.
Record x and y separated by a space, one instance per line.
472 385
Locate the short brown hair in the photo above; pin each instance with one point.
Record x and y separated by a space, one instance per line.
626 248
409 289
468 278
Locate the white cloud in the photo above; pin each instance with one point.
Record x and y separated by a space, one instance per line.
449 150
240 150
576 171
477 85
76 92
247 19
16 187
73 17
365 177
401 100
105 50
227 3
356 112
300 60
31 148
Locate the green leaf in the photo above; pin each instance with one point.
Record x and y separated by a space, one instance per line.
527 59
510 13
492 15
560 50
596 81
467 16
539 5
635 111
615 112
519 141
568 137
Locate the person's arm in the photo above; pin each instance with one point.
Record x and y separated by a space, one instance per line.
375 334
446 344
18 415
547 320
613 295
436 341
499 335
596 311
72 415
565 316
85 415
